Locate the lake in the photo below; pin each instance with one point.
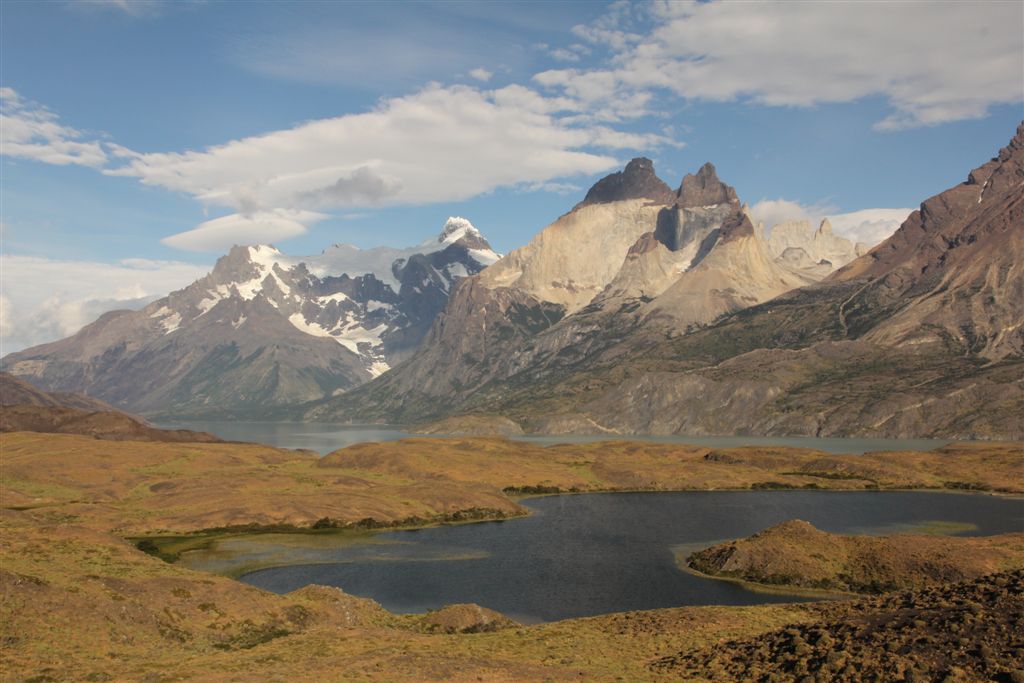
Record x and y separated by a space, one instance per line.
580 555
325 437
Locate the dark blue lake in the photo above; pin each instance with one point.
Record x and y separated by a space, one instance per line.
597 553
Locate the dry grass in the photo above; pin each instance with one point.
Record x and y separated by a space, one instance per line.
795 553
81 603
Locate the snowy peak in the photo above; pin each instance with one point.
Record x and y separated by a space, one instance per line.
376 303
455 228
459 231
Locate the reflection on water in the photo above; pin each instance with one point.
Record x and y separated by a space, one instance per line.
325 437
597 553
234 555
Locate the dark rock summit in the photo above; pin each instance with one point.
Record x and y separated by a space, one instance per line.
705 189
637 181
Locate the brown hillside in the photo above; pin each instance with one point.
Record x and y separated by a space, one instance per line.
795 553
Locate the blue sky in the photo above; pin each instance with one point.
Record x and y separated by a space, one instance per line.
130 125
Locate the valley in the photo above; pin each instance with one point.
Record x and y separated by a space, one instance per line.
80 598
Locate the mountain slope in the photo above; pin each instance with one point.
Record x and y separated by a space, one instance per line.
263 331
15 392
919 337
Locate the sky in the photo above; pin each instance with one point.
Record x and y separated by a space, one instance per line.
141 139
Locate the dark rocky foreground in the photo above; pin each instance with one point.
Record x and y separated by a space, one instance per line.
971 631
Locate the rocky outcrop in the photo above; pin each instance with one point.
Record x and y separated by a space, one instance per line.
704 189
736 272
572 260
637 181
957 632
466 618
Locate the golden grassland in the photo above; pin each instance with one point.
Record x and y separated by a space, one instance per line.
795 553
80 602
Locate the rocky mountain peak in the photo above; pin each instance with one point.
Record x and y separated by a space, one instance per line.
455 228
705 189
825 228
243 263
637 181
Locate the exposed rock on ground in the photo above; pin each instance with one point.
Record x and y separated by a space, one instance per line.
971 631
466 618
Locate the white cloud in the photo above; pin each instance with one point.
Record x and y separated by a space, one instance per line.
870 226
771 212
565 55
133 8
30 131
439 144
260 227
481 74
44 299
553 187
934 61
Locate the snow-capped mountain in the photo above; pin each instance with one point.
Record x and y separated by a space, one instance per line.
264 329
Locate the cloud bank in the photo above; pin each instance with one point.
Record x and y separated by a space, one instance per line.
47 299
870 226
935 62
30 131
439 144
261 227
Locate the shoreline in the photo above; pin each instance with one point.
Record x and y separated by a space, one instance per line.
819 594
177 545
206 536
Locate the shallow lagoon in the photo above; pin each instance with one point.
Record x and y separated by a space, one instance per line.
582 555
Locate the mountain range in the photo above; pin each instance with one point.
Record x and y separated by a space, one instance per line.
701 331
263 331
644 309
